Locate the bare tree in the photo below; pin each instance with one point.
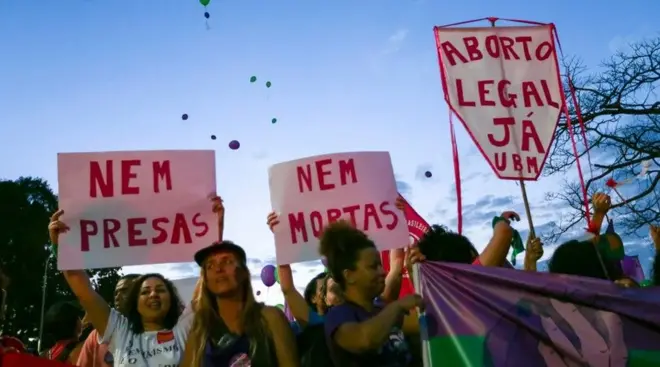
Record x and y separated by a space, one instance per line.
620 107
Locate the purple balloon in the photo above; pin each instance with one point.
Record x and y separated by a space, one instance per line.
268 275
324 261
234 144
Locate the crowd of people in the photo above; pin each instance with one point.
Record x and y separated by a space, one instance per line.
349 315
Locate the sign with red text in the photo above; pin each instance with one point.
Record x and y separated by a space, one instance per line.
311 192
504 85
417 227
135 208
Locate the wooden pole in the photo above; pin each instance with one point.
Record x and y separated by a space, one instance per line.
523 189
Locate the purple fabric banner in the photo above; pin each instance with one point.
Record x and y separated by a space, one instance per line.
478 316
632 268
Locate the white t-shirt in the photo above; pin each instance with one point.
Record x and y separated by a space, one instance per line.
150 349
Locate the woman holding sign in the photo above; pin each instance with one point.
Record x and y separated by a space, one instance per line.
154 331
361 333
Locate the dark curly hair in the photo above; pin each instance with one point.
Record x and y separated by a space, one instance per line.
582 258
441 244
341 244
61 321
130 305
312 287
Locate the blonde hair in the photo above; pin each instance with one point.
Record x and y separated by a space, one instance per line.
207 319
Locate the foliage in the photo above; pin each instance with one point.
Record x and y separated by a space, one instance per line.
620 107
27 204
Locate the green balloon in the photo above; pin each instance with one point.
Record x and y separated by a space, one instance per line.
268 84
277 276
204 2
280 306
253 79
274 120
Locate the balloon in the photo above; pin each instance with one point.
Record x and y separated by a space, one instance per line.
212 137
268 275
274 120
234 144
253 79
277 276
204 2
184 117
258 293
324 261
207 15
428 174
268 84
280 306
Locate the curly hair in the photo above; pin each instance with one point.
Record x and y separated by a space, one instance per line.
341 244
130 305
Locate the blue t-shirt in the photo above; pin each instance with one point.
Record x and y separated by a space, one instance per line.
313 318
393 353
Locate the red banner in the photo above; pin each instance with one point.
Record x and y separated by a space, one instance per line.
417 227
28 360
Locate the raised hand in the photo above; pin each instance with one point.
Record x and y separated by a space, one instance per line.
272 220
55 227
601 202
534 249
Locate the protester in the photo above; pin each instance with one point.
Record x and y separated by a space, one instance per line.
93 353
151 334
360 333
230 328
441 244
63 327
321 294
588 257
8 344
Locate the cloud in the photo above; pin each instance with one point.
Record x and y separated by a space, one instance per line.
403 187
623 42
395 42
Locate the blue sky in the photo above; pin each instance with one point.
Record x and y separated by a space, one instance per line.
91 75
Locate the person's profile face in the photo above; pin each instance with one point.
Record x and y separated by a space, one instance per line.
121 290
332 293
370 275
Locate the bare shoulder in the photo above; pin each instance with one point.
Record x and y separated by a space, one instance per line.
272 314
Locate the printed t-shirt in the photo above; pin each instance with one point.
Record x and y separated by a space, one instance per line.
393 353
234 353
149 349
95 354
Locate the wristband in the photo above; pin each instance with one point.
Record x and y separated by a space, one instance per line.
517 245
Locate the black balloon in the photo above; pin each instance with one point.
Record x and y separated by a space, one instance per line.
184 117
206 15
212 137
428 174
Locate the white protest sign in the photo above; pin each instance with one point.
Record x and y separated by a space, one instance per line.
504 85
135 208
311 192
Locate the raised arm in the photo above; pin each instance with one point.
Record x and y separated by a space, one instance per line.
533 252
601 204
495 252
97 309
296 302
219 210
394 277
